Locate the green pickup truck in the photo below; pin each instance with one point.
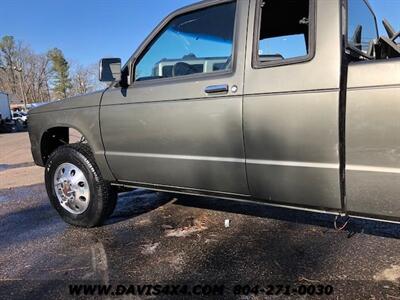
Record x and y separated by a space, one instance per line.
291 103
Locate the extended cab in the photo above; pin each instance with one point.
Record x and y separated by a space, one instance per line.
289 103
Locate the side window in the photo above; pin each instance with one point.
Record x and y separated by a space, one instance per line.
361 29
193 43
284 31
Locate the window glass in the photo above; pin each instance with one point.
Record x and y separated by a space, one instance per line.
197 42
284 30
361 26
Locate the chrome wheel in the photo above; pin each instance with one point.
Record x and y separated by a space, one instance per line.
71 188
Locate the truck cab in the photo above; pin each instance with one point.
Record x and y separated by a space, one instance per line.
288 103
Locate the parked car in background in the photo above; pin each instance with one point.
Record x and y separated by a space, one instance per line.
215 102
20 118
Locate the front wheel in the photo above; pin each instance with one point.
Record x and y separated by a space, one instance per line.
76 188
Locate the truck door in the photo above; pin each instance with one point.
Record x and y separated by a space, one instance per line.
291 102
179 124
372 125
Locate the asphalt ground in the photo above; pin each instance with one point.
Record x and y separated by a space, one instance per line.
157 238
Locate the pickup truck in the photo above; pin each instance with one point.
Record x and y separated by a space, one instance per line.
289 103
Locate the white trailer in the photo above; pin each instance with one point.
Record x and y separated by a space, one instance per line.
5 112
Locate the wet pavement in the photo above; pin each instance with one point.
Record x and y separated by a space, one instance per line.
157 238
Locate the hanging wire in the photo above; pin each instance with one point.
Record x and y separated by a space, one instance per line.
343 226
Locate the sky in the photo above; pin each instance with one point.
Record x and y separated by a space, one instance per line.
87 30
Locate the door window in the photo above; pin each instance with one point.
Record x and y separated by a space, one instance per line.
194 43
284 31
361 29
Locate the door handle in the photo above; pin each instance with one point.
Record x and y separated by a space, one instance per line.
220 88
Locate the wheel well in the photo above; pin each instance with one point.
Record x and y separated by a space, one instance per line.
56 137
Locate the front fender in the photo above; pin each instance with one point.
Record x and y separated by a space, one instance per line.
83 119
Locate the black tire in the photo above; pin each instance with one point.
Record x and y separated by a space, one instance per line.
103 197
20 125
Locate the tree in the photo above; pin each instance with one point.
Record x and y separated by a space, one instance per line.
85 79
9 60
26 75
37 76
62 82
23 74
82 80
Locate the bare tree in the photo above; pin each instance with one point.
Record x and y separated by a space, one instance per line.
9 61
36 76
23 74
33 77
85 80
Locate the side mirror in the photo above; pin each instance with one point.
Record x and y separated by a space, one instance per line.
110 69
